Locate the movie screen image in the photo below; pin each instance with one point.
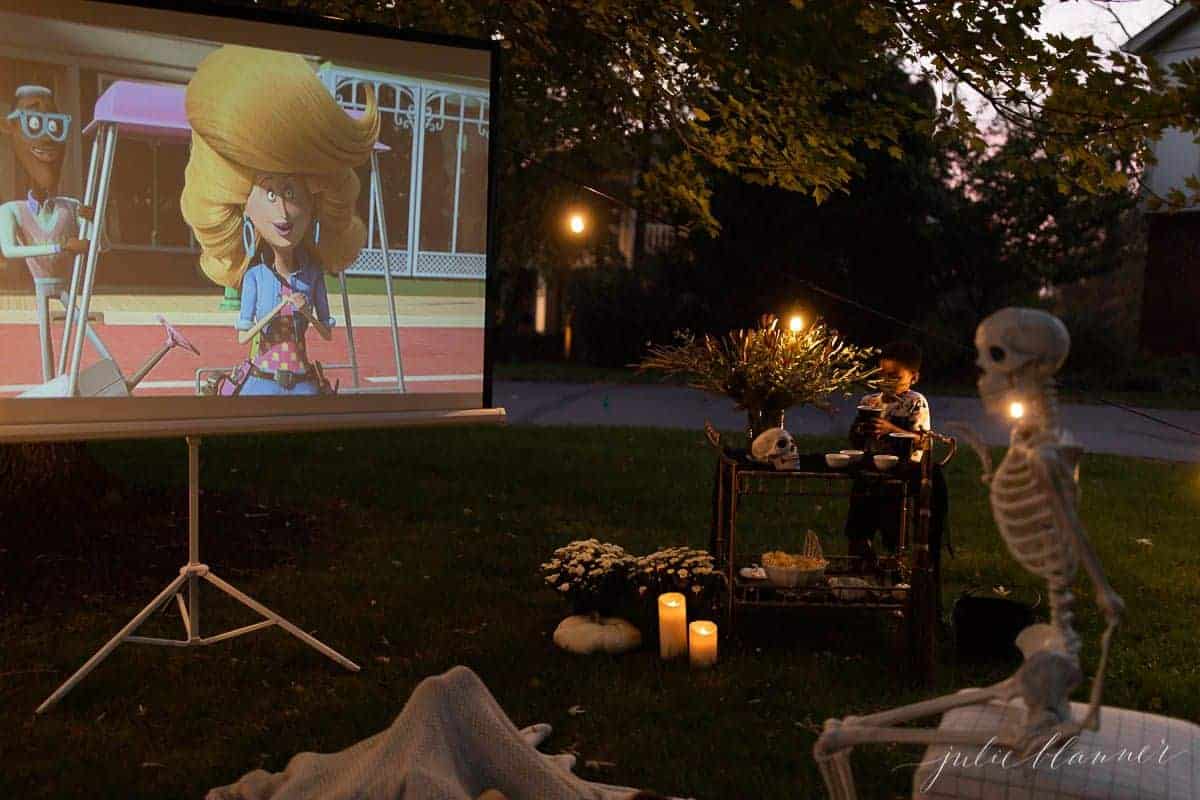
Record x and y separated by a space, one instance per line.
184 215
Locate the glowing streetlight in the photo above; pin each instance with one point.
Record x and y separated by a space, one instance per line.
796 323
576 223
1016 409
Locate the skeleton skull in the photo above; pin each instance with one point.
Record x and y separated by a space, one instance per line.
776 447
1019 350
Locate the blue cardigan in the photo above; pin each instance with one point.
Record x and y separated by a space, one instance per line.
261 293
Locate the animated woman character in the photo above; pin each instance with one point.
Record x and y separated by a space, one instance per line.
40 227
270 193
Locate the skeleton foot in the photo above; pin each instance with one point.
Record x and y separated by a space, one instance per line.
536 734
565 761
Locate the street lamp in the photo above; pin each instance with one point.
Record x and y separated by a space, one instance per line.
576 222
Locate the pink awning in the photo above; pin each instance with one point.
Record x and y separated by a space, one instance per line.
151 111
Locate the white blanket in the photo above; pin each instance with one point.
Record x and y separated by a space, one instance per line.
452 741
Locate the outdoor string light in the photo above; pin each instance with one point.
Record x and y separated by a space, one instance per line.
1016 409
796 323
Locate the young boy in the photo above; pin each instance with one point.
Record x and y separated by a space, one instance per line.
903 411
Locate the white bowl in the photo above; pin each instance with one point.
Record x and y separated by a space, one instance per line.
837 460
855 455
791 577
884 462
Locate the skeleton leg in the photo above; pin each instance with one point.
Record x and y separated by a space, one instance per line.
1057 476
833 747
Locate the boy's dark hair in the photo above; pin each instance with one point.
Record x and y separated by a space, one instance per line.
906 354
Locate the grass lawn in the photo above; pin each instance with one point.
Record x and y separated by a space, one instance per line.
429 558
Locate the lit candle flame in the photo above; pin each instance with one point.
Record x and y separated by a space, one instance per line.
1016 409
796 323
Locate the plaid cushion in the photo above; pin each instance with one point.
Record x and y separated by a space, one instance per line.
1134 756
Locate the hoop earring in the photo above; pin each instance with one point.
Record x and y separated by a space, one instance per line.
249 236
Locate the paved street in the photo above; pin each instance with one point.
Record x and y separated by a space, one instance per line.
1101 429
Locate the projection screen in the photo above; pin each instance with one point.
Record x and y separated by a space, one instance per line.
217 225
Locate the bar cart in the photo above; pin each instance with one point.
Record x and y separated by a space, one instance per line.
904 584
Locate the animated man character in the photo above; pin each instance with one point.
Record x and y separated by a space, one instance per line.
39 227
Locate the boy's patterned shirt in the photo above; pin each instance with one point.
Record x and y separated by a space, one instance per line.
908 410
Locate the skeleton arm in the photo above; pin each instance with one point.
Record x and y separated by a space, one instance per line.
972 437
1057 475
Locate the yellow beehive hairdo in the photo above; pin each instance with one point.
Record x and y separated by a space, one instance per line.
262 111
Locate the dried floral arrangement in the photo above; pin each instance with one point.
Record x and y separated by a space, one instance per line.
768 368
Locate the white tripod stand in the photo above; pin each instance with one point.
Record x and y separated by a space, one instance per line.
191 574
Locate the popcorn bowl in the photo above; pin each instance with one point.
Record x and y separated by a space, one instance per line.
790 572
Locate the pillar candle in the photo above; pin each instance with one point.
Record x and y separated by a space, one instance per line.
672 625
702 641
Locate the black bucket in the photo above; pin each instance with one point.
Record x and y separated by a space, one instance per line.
986 628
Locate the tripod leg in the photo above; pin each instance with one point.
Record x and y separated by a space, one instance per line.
309 640
104 652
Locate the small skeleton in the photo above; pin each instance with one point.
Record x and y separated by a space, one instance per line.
1034 494
776 447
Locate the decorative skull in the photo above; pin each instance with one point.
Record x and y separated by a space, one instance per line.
1020 349
776 447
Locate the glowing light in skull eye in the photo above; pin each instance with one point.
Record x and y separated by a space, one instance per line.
1016 409
796 323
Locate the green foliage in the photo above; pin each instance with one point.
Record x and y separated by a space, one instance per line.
767 368
616 312
787 94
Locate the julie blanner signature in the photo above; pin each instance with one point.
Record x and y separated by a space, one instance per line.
1055 754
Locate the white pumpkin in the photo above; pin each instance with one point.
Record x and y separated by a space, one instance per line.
592 633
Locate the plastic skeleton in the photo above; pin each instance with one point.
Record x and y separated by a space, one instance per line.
1033 493
776 447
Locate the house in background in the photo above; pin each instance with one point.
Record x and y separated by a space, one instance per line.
1170 324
